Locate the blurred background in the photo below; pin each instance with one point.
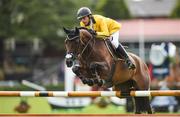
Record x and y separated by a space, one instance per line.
32 52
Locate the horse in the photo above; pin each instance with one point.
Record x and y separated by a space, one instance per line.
98 66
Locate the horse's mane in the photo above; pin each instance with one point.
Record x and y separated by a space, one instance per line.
97 37
85 32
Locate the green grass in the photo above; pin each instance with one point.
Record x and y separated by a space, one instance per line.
94 109
37 105
40 105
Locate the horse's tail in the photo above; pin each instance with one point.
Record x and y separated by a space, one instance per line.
142 105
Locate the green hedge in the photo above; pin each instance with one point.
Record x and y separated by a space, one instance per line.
59 87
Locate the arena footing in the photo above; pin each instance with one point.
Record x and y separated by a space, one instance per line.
90 115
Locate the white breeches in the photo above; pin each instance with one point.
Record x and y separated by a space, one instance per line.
115 39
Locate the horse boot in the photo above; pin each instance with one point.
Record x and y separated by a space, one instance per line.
121 52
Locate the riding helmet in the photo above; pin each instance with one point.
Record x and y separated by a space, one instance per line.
83 11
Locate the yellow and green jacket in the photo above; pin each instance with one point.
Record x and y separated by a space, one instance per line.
103 26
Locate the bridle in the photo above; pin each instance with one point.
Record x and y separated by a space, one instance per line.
71 39
86 45
80 42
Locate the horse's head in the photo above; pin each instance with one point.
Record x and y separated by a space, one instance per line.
76 43
71 45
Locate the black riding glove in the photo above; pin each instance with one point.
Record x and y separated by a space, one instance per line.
93 32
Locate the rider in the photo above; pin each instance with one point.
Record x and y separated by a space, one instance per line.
103 26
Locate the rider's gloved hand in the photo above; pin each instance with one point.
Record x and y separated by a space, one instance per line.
93 32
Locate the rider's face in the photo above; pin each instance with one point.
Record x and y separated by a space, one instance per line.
85 20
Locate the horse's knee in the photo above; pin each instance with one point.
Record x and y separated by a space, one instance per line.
93 67
99 65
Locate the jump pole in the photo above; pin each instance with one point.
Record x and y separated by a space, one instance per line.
89 93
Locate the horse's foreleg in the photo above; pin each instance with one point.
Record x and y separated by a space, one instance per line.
98 66
95 67
76 70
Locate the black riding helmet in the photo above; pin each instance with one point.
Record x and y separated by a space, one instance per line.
82 12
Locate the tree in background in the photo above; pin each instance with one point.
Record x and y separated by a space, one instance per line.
176 11
44 19
115 9
5 14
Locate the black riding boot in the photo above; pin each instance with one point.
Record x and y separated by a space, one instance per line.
122 52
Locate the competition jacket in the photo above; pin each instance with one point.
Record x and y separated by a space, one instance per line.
103 26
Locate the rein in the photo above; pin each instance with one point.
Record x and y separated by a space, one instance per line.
72 38
86 47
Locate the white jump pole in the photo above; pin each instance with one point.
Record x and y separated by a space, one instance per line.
89 93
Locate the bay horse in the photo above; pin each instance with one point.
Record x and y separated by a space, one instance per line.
97 66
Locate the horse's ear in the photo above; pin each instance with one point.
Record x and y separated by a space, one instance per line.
76 30
66 30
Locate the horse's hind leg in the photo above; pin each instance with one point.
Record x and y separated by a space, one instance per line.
142 104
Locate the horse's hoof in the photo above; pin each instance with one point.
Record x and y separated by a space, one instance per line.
93 68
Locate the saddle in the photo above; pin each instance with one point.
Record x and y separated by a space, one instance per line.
112 49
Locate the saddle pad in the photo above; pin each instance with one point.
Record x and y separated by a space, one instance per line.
111 48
